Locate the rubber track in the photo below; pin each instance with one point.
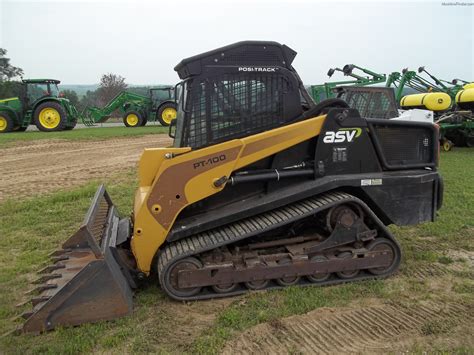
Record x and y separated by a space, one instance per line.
256 225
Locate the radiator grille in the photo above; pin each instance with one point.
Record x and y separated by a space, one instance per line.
402 146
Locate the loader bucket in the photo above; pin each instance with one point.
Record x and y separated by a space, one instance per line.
87 282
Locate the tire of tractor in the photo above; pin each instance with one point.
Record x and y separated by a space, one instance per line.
133 119
20 129
6 123
68 128
50 117
447 145
166 113
470 141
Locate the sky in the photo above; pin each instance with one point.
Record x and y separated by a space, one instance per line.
78 41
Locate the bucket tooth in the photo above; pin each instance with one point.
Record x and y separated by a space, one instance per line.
51 268
40 299
41 288
27 314
44 278
55 259
21 304
59 252
34 301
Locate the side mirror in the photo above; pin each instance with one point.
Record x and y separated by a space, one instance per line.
172 129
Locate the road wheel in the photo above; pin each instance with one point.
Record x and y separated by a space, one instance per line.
316 278
50 117
287 281
166 114
132 119
6 123
348 274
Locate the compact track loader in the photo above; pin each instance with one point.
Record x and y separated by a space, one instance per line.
262 189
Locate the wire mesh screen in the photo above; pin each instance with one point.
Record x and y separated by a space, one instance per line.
371 102
406 146
233 105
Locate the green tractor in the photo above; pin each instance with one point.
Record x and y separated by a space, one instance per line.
135 109
39 103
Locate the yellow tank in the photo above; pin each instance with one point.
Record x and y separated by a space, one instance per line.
435 101
465 98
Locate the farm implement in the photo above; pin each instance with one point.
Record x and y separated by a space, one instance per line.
329 90
136 110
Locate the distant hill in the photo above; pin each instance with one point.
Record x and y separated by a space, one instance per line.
79 89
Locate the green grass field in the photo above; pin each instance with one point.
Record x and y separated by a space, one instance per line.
34 227
81 134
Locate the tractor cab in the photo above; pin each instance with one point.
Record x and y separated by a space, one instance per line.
160 94
36 89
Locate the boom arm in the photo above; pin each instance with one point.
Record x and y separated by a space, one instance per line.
120 101
326 90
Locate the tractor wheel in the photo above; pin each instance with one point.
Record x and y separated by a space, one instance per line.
73 124
132 119
447 145
470 141
50 117
20 129
166 114
6 123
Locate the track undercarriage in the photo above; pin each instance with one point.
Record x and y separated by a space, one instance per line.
330 239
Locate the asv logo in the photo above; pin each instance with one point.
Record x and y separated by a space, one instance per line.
342 135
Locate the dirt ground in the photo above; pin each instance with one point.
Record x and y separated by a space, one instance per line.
371 329
42 166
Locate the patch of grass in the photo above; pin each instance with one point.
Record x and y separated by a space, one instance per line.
436 327
446 260
455 223
466 286
82 134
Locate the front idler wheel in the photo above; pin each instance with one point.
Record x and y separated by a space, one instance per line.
385 245
171 278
